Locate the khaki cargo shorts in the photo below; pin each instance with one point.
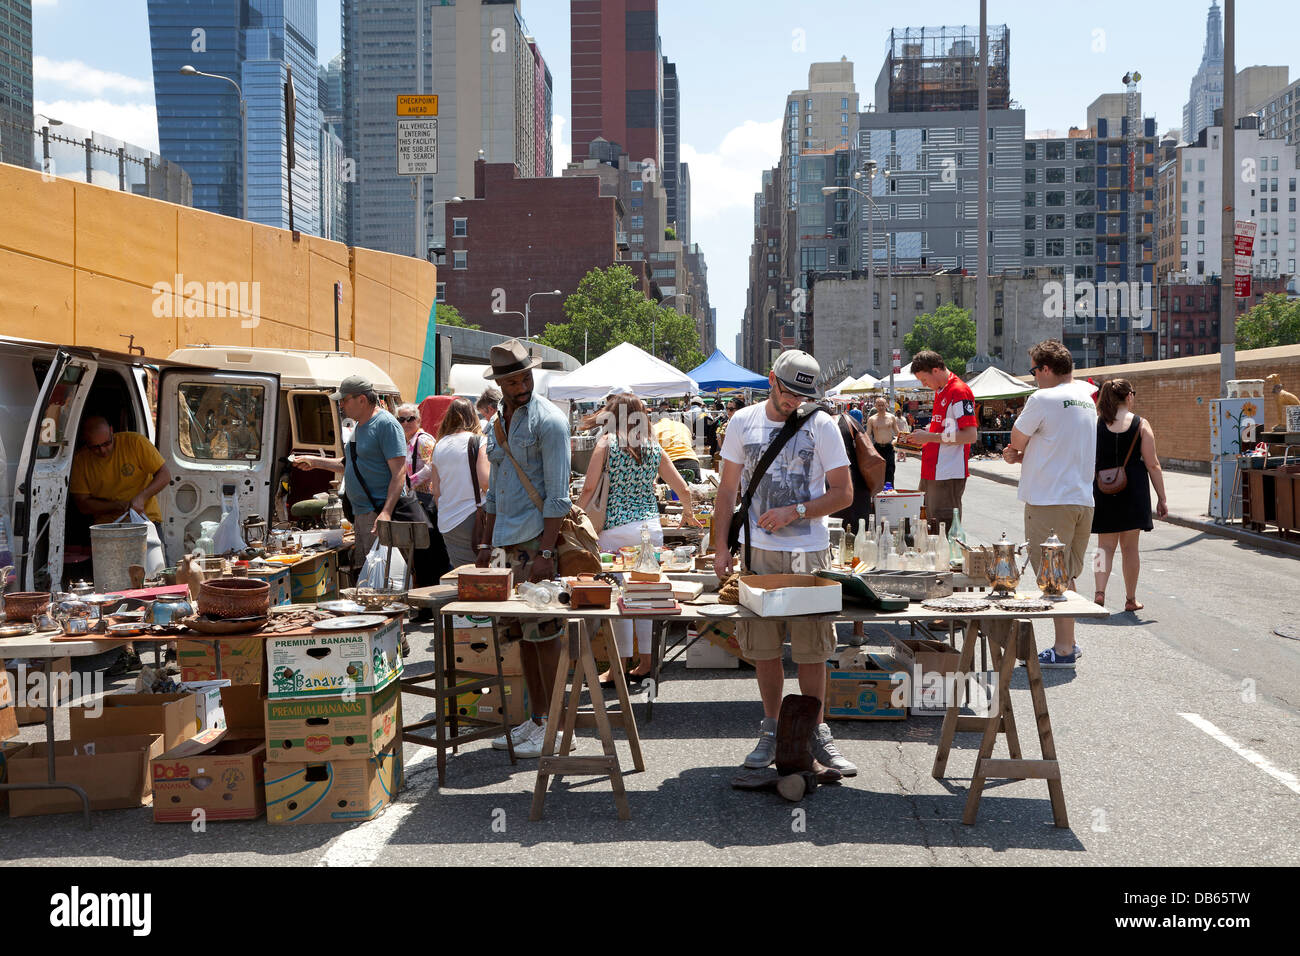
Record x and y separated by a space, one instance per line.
811 642
1072 524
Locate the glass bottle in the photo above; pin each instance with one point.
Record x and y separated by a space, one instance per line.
860 543
935 559
883 546
940 548
846 549
922 536
956 534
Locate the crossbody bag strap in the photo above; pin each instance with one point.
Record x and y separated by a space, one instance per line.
352 449
779 441
1133 443
473 470
528 485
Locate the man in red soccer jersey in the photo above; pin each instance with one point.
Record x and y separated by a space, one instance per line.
947 441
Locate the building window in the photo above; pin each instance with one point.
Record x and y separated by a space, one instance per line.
637 185
893 300
1083 247
920 301
441 295
1031 150
460 259
1029 199
1055 174
1029 248
875 304
1031 175
1056 221
1055 150
1031 222
1083 197
1056 198
459 227
1054 248
1200 227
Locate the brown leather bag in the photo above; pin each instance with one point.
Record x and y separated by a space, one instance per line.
1111 481
870 462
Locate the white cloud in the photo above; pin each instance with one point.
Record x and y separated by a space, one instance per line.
729 176
77 77
561 146
134 123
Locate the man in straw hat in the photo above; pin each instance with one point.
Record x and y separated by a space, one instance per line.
538 438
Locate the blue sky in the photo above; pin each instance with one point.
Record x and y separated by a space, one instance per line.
736 61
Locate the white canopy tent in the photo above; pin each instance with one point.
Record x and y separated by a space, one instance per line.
867 383
468 380
903 379
842 386
627 365
993 383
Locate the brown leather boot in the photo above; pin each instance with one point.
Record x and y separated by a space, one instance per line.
794 731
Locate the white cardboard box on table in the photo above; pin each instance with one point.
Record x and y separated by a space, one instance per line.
788 595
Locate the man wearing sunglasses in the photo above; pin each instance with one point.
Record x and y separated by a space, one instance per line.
114 472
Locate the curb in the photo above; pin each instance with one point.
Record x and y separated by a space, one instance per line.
1261 541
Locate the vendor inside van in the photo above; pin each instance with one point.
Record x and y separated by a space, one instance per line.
114 472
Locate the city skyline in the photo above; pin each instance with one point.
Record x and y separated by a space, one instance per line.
92 68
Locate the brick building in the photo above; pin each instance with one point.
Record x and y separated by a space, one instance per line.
1189 314
520 236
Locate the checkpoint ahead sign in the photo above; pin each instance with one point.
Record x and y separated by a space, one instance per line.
417 147
417 104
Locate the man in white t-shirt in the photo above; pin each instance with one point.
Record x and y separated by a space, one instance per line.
787 532
1055 441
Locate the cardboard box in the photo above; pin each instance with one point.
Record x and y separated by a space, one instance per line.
113 771
332 729
461 621
485 702
327 663
894 507
473 648
224 776
8 723
7 751
784 595
207 703
863 689
241 660
61 685
339 791
8 688
930 656
122 715
705 655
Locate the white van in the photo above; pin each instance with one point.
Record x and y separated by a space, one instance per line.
224 419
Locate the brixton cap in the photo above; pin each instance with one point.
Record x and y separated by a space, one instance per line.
352 385
797 372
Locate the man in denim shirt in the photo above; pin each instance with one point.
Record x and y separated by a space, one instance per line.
538 438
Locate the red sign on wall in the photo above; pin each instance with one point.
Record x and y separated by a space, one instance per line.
1241 287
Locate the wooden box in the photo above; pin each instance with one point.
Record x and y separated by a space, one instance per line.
596 594
485 584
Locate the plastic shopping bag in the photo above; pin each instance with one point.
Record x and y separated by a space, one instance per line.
228 537
153 558
372 572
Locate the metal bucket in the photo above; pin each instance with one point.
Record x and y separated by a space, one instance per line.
113 549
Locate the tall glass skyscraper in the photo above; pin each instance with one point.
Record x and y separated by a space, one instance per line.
255 43
16 82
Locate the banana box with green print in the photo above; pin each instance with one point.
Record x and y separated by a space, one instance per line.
333 791
306 663
334 728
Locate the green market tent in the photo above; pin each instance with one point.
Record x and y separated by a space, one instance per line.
993 383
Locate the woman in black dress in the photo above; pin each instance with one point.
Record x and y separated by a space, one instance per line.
1117 519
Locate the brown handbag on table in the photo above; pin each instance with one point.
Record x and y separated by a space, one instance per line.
577 550
1111 481
479 535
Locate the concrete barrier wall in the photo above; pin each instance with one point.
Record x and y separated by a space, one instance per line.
85 265
1174 396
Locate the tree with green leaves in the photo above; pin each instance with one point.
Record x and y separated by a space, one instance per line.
1273 322
450 315
608 309
948 330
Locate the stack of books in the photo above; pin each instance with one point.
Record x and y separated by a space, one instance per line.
648 597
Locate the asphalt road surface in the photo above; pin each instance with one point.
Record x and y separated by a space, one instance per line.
1177 737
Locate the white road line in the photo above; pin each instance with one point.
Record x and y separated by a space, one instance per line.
1287 780
362 845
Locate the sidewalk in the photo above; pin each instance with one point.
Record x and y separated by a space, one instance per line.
1189 497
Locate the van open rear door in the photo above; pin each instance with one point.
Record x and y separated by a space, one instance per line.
216 432
41 487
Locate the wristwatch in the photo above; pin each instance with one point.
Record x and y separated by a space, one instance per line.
546 553
802 509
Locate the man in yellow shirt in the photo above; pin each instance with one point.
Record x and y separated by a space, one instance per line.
678 445
115 472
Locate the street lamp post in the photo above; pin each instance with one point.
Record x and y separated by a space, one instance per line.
510 312
889 280
654 322
443 203
188 70
528 306
779 348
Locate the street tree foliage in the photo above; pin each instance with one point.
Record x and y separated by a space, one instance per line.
608 309
1273 322
948 330
450 315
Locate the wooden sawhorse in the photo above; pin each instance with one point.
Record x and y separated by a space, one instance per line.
575 653
1007 640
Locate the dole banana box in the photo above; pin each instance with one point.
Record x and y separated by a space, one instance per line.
333 791
213 776
485 703
313 664
335 728
241 660
473 650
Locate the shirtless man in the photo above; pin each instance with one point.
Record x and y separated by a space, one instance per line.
883 429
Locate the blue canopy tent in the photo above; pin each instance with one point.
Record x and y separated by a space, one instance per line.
720 372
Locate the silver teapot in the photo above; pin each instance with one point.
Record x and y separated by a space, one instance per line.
1003 574
1053 568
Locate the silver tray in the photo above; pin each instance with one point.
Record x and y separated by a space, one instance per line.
913 585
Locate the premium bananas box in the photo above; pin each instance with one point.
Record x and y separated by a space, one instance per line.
306 663
334 791
333 728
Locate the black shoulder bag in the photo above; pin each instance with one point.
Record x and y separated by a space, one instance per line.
741 516
408 507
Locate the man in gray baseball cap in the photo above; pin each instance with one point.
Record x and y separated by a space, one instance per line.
785 531
352 385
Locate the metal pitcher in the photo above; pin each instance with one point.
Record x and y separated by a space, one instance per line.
1053 568
1003 574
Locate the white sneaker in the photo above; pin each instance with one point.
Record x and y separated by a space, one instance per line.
531 746
517 736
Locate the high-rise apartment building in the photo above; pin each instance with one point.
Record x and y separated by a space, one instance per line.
1206 93
1279 114
672 146
16 82
937 68
257 44
684 203
616 69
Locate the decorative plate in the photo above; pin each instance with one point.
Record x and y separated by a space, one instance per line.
719 610
354 623
342 607
1028 604
955 605
16 630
